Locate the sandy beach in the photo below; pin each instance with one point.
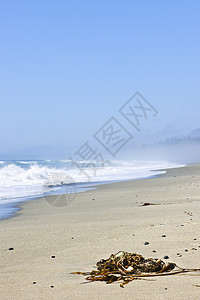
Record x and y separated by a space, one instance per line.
51 242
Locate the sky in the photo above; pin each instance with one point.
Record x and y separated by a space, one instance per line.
66 67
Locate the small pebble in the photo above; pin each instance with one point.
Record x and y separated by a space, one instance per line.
11 248
163 235
146 243
34 282
53 256
166 257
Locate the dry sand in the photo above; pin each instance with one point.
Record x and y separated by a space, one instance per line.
100 222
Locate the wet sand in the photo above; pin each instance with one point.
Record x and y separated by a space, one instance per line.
50 242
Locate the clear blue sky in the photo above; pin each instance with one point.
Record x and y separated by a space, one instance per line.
68 66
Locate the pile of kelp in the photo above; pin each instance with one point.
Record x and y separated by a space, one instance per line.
126 267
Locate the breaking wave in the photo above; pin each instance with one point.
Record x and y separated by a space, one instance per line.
25 179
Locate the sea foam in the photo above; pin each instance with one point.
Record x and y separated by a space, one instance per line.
20 180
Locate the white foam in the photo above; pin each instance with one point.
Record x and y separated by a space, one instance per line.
16 181
120 170
35 178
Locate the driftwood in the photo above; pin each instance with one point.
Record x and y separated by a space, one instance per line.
147 204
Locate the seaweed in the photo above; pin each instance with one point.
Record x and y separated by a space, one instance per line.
125 267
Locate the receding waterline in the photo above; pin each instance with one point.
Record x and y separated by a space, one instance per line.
29 180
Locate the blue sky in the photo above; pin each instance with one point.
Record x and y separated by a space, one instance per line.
66 67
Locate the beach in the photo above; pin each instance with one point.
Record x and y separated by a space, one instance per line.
50 242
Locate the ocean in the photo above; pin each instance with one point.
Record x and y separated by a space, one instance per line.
27 180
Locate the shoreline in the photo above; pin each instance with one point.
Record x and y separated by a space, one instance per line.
16 206
97 223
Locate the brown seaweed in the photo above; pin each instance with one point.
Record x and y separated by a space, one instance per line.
148 203
126 267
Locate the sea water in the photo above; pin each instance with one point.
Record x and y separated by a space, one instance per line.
27 180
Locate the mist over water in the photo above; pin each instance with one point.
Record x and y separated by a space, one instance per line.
181 152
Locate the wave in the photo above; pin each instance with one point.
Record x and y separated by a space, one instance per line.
21 179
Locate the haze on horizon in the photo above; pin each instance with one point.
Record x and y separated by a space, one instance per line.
68 67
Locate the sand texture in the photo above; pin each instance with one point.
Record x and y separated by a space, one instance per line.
100 222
